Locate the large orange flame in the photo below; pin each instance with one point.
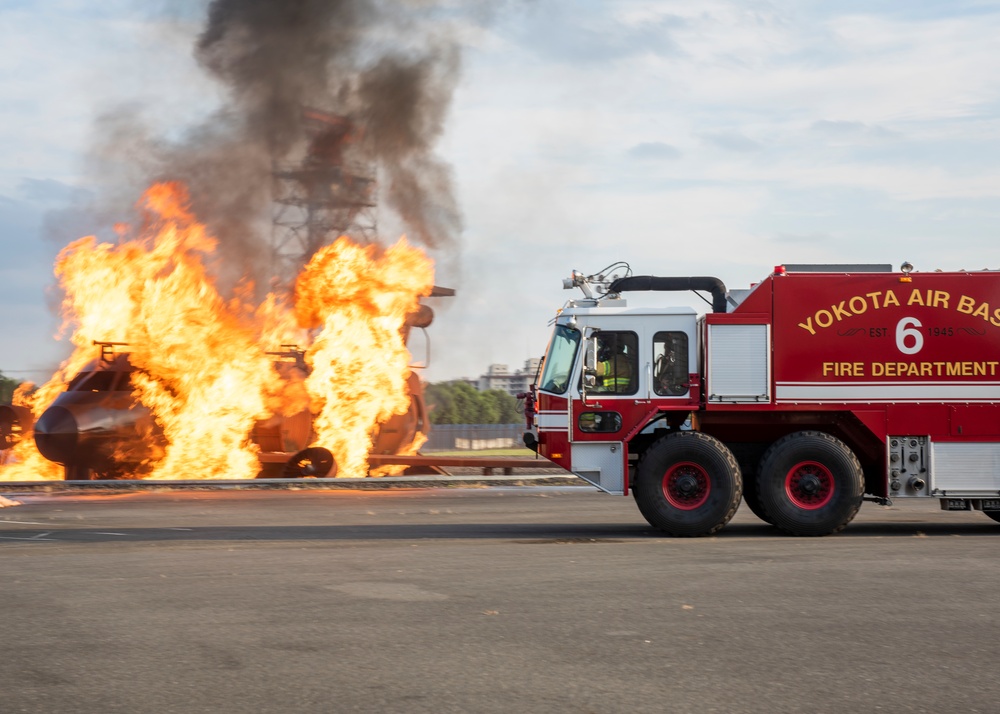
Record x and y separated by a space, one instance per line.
23 462
201 362
360 302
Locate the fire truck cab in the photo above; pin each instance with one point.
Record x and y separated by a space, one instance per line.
818 388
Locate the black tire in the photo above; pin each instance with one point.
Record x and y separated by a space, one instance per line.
810 484
314 462
688 484
994 515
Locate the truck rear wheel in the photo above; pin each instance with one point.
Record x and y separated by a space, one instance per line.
688 484
810 484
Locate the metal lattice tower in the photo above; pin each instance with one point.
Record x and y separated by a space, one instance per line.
330 194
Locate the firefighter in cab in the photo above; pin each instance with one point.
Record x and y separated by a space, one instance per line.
616 367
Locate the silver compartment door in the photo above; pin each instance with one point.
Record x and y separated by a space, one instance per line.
600 464
739 363
965 469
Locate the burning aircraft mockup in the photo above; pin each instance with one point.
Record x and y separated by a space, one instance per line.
188 385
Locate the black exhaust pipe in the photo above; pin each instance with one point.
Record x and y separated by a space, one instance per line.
639 283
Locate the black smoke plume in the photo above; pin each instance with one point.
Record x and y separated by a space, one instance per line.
390 65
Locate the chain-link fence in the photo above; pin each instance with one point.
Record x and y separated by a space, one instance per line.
473 437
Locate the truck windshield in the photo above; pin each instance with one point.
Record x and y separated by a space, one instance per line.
559 360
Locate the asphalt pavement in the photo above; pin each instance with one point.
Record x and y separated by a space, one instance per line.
495 599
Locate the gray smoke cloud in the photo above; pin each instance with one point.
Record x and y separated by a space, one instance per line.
390 65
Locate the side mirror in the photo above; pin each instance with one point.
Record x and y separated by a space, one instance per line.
590 357
590 363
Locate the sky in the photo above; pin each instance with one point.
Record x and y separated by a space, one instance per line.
713 138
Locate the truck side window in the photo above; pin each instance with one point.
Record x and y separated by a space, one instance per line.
596 422
670 364
617 363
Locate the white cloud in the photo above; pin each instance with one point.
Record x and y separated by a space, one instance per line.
853 129
653 151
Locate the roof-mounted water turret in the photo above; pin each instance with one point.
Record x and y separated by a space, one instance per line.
597 286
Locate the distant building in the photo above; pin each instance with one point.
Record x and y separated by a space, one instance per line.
499 376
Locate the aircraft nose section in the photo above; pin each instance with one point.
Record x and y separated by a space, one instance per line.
56 434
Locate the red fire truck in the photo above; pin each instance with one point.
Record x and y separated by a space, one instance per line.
818 388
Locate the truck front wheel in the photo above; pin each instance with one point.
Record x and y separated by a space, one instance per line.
810 484
688 484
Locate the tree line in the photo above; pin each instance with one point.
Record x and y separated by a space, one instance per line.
7 387
460 403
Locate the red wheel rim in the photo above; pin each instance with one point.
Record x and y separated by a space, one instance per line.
686 486
809 485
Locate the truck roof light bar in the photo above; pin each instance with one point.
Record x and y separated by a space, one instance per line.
838 268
